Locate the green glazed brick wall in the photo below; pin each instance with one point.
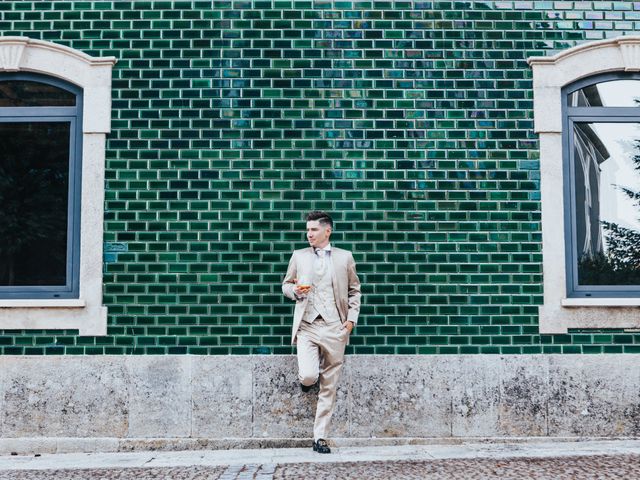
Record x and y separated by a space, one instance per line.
410 120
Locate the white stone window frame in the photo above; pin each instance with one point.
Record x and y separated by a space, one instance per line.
86 313
559 313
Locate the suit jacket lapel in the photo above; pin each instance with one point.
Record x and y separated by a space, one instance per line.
309 257
334 263
337 293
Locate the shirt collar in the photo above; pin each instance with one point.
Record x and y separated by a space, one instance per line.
326 249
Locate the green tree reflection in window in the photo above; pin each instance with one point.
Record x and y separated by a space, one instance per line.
620 264
605 172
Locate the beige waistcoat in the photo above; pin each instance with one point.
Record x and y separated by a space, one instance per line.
344 282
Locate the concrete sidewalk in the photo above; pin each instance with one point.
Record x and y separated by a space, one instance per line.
350 454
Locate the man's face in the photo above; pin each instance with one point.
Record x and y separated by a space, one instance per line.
318 234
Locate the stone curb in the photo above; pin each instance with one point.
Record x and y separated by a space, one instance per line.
271 456
64 445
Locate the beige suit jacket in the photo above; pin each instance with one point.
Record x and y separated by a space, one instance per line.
345 281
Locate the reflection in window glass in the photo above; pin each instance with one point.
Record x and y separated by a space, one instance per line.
616 93
24 93
606 163
34 186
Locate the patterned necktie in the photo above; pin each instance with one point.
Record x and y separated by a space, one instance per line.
321 263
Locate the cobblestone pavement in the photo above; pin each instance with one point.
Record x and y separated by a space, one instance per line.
573 468
569 468
160 473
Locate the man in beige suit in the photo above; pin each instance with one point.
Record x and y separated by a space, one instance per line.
322 280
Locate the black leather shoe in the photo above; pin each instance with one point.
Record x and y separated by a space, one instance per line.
306 388
321 446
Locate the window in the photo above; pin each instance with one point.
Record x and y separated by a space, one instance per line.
602 186
40 175
588 121
55 113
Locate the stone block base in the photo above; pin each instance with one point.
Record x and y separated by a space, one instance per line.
120 403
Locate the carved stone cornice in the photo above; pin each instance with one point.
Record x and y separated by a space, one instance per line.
627 46
13 51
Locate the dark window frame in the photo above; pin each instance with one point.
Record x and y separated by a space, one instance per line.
73 116
570 116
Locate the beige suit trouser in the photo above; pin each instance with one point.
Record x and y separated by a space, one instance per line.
321 354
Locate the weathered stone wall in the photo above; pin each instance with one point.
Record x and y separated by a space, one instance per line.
118 402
